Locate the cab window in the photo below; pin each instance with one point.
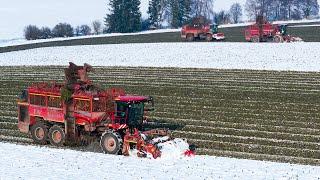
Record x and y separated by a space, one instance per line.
99 104
82 105
122 109
54 102
37 100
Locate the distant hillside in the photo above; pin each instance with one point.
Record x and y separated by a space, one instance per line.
309 31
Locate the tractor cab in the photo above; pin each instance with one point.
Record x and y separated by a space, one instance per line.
214 28
130 110
283 29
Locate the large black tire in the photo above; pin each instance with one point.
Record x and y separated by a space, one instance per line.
57 136
111 143
278 39
39 133
209 37
190 37
255 39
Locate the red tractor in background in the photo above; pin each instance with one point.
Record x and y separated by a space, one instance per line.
78 112
264 31
201 29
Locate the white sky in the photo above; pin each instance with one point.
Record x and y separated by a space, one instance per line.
16 14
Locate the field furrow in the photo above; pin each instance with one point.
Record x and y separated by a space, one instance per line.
264 115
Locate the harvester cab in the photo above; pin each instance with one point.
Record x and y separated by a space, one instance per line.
283 29
131 110
214 28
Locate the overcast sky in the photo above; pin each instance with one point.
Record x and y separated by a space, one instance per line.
16 14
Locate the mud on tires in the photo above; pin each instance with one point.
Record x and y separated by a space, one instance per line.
111 143
209 37
56 136
39 133
255 39
278 39
190 37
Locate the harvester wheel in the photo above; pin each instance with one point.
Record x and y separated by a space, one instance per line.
57 136
209 37
255 39
278 39
111 142
190 37
39 133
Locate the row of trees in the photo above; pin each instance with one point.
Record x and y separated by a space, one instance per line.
282 9
125 15
178 12
32 32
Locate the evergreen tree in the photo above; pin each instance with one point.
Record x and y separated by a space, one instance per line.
176 14
180 12
111 21
135 16
236 12
154 12
186 11
124 17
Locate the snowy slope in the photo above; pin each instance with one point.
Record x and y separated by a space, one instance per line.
14 42
264 56
31 162
277 22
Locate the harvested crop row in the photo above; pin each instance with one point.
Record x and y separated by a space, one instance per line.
266 115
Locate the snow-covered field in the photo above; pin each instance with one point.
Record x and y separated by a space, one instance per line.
32 162
14 42
21 41
287 56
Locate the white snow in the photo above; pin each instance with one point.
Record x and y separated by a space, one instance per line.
263 56
313 25
35 162
277 22
21 41
298 21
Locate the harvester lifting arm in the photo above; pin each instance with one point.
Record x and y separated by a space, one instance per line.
143 147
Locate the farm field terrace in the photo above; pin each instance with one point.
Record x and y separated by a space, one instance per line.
309 31
252 114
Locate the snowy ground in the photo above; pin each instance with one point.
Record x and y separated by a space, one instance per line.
264 56
21 41
32 162
275 22
14 42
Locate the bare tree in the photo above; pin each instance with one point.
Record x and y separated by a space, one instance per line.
85 30
203 8
236 12
282 9
97 27
32 32
309 8
222 17
77 31
62 30
46 33
257 7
